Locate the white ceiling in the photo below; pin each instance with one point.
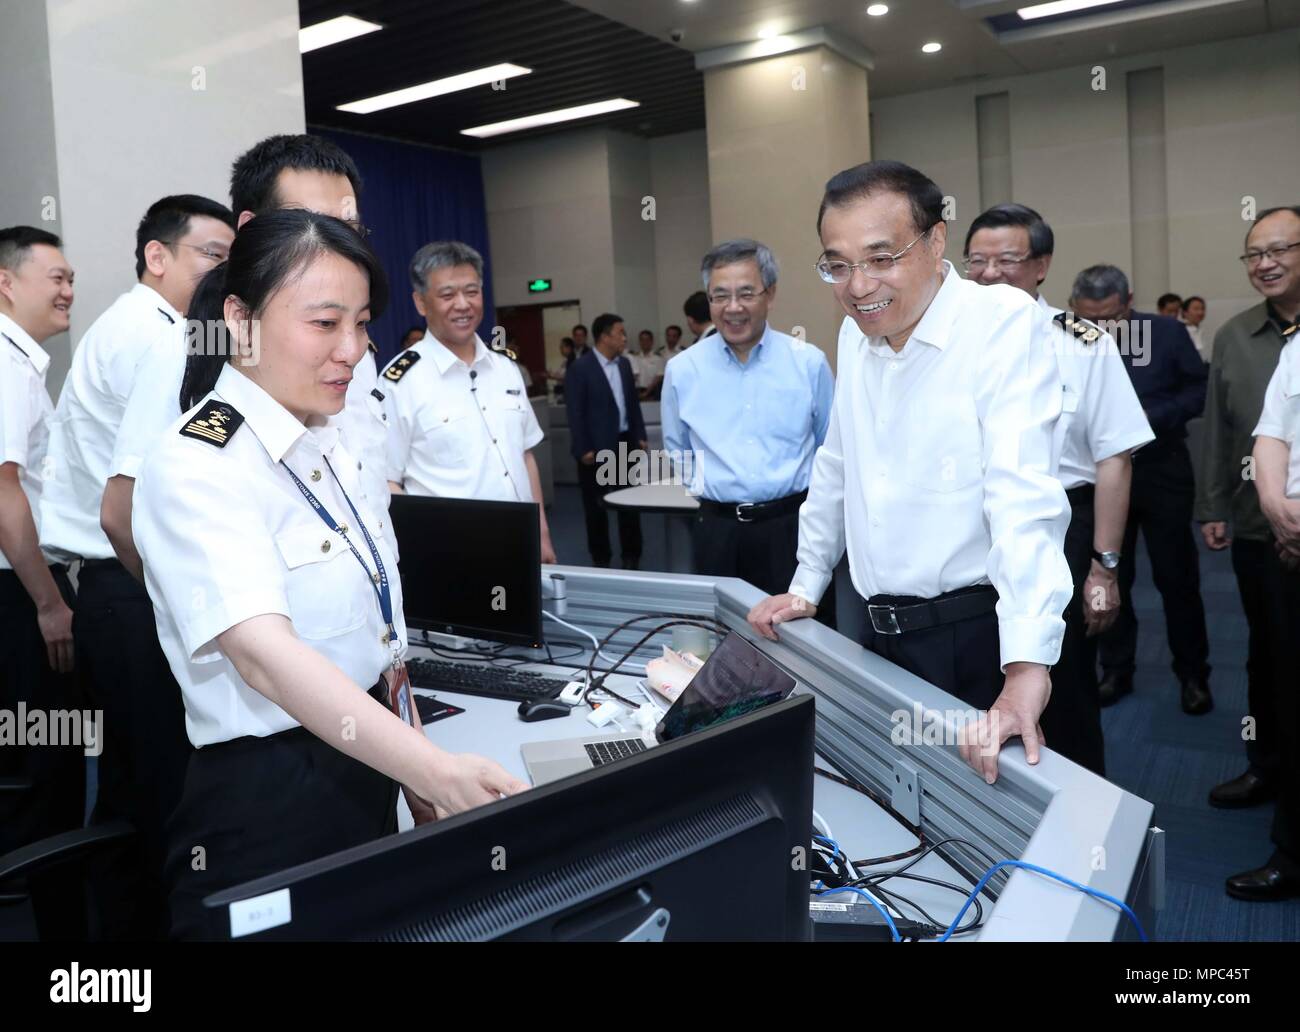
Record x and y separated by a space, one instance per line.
970 49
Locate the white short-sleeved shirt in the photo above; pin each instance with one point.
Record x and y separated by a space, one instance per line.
25 414
225 536
456 435
937 471
1100 412
645 368
89 413
364 422
1281 415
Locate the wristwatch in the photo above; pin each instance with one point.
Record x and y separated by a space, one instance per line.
1109 560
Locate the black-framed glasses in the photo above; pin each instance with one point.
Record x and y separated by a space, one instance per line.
744 296
1274 254
833 270
977 263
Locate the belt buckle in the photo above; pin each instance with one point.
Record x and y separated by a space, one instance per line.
889 626
740 516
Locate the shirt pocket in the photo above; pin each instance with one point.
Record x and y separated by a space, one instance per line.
786 410
328 594
943 448
446 433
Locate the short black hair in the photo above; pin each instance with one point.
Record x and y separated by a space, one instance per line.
697 307
253 176
169 219
17 241
1165 299
579 326
1187 301
603 323
872 177
673 326
646 333
1041 239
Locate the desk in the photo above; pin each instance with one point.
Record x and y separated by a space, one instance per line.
676 506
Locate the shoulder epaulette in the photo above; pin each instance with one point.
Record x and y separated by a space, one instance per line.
501 349
400 365
1076 327
215 423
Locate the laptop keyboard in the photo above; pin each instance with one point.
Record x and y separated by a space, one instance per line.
619 749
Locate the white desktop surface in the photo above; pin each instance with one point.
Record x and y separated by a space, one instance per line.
493 728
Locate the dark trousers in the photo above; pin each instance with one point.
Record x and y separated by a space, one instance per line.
145 747
1072 721
1284 651
56 799
1160 505
762 552
629 522
1249 562
962 658
255 806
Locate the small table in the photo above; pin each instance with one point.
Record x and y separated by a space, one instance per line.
669 500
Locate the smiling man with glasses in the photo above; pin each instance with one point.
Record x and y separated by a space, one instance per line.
752 405
937 471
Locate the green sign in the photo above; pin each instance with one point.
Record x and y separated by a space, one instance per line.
539 286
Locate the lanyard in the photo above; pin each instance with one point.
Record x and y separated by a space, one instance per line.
382 589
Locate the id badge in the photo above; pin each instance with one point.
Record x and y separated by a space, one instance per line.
400 700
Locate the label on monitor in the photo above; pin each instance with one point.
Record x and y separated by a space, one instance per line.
258 913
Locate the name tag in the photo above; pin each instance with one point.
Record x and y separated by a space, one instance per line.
511 390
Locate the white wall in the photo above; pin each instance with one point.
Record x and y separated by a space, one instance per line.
1232 130
679 172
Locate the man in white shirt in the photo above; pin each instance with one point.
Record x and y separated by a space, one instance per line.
1101 424
36 647
460 422
699 320
1192 315
142 765
937 470
647 366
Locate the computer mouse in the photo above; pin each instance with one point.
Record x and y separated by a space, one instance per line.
543 709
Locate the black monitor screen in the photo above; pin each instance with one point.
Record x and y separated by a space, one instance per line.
737 679
471 568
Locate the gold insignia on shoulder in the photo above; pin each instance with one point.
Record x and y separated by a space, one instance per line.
501 349
399 366
1080 328
216 423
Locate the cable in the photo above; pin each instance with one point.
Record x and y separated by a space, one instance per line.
673 620
1097 893
573 627
880 801
893 928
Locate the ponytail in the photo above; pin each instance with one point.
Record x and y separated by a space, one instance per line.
205 361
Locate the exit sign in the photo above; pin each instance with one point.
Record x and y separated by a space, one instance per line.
539 286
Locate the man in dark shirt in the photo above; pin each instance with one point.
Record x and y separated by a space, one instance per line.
1246 351
1169 378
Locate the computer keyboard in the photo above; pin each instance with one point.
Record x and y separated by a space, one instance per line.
618 749
492 682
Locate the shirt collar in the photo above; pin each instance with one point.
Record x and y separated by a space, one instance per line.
936 322
724 349
275 426
1274 318
606 362
1051 310
157 302
36 355
443 357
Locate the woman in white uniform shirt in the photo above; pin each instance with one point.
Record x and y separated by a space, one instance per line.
275 592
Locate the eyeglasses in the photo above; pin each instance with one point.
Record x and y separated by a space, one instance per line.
216 257
1274 254
877 265
745 297
977 263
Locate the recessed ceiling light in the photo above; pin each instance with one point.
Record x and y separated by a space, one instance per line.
876 10
931 48
515 125
1059 7
336 30
436 88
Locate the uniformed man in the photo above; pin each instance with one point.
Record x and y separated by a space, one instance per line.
36 644
1169 378
1245 356
1277 473
749 406
672 342
142 764
298 171
647 363
937 470
1101 424
461 424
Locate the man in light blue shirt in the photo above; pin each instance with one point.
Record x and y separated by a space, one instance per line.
744 410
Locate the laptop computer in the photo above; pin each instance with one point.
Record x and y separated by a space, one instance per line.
737 679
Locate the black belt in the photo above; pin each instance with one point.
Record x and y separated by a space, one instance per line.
96 564
752 512
894 614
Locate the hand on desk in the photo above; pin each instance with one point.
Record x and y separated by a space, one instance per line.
1016 712
779 609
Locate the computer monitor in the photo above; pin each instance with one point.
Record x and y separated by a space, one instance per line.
470 567
702 838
